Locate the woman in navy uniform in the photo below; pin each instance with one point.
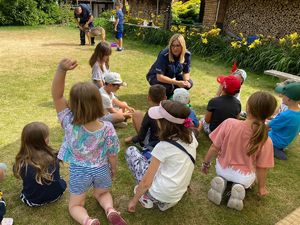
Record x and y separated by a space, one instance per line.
172 66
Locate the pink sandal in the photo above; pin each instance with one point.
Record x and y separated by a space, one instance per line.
90 221
114 217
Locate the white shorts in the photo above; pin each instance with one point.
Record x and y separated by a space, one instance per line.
235 176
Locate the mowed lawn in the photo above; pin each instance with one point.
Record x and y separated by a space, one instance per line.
28 59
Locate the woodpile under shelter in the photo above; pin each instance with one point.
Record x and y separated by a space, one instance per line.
251 17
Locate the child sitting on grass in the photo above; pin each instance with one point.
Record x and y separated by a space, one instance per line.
241 75
286 125
116 111
145 126
244 152
183 96
223 107
90 146
38 167
164 181
99 62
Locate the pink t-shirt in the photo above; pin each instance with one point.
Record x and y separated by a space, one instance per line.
232 138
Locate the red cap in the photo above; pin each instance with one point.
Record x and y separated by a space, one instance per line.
231 84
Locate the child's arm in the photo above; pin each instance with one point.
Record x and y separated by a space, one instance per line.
116 22
3 168
208 116
58 84
145 183
212 152
113 161
99 83
122 105
261 174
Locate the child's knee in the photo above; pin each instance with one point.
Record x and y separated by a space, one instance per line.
130 151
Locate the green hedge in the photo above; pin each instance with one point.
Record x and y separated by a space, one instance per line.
33 12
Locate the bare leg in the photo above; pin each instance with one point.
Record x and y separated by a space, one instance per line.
137 119
76 208
104 198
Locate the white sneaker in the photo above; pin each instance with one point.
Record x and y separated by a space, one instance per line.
215 193
144 200
237 196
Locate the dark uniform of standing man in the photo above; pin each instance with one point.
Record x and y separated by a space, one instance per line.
84 19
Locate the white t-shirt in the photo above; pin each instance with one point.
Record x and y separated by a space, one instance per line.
97 73
175 171
106 99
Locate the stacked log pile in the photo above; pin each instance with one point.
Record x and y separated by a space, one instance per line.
267 17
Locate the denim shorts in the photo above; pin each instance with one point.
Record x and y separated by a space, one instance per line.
119 34
83 178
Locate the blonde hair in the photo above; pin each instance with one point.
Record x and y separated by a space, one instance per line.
180 38
261 105
85 103
34 151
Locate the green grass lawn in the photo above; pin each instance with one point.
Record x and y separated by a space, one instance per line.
28 59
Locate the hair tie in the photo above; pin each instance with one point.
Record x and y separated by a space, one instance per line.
187 122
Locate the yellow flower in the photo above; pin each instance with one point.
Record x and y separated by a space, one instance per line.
296 45
204 40
293 36
236 44
241 35
203 35
251 46
257 42
282 41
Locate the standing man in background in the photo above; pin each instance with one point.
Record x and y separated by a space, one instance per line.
84 19
119 27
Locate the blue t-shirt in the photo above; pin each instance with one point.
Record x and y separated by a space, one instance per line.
194 118
284 128
85 15
169 69
120 17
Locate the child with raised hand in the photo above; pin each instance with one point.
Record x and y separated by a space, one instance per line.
90 146
286 125
244 152
99 62
38 167
166 178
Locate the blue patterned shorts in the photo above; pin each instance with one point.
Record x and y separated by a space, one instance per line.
82 178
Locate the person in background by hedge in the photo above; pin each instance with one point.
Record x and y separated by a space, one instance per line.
172 66
119 27
84 19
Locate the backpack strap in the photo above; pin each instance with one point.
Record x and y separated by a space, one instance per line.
181 148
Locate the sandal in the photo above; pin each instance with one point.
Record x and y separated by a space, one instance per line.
114 217
90 221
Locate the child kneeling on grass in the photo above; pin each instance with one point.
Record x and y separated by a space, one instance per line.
166 178
90 146
244 152
38 167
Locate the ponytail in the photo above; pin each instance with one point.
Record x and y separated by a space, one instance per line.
259 136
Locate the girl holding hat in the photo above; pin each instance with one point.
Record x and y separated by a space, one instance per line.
164 181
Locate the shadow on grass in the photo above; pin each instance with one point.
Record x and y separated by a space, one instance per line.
137 101
60 44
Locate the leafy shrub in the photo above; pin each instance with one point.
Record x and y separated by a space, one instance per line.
186 12
32 12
